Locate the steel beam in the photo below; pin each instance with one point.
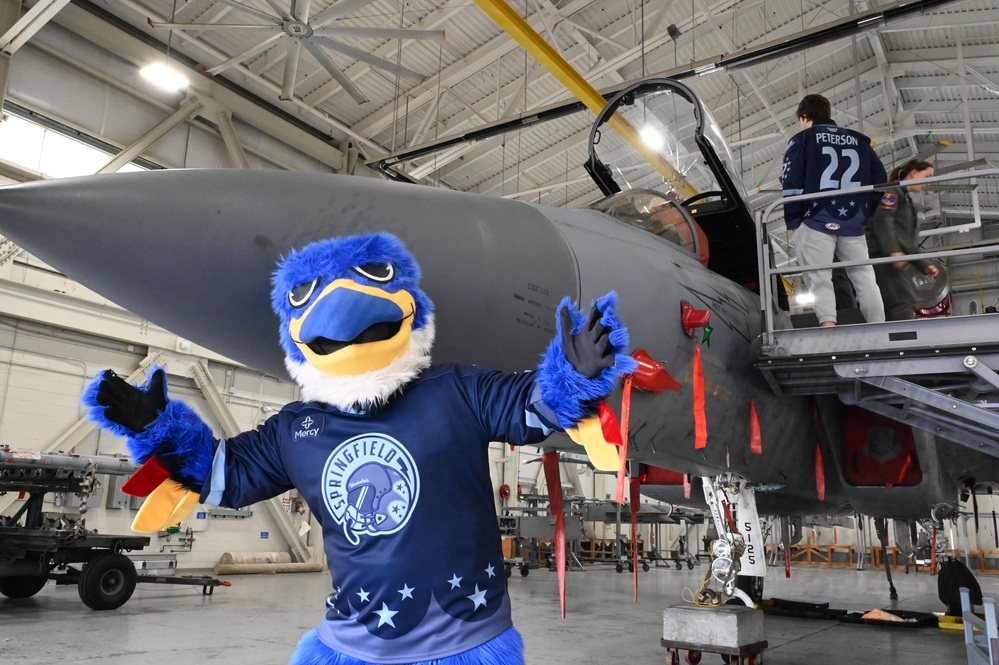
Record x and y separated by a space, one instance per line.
32 21
188 110
203 378
79 430
540 50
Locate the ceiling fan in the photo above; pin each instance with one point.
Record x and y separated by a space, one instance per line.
297 30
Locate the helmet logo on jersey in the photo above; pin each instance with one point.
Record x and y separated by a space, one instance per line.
370 486
832 226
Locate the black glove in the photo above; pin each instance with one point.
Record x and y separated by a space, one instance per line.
589 351
127 405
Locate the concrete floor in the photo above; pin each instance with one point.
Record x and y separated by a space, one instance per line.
259 619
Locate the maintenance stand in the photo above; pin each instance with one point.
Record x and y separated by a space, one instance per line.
36 546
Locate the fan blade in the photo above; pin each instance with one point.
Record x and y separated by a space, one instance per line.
300 10
327 63
279 10
251 11
215 26
334 12
951 187
962 166
382 33
933 149
240 57
373 60
290 70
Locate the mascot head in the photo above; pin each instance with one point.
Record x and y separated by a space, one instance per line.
355 326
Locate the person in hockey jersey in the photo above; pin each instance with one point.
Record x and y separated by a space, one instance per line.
823 157
390 453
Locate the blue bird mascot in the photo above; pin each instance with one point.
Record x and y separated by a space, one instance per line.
388 451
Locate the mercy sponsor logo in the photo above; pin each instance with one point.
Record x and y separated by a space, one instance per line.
370 486
306 427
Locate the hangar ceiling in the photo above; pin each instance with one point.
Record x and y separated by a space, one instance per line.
383 76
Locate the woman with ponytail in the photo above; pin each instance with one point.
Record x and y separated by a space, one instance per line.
894 231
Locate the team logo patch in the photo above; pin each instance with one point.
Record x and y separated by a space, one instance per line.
889 200
832 226
370 486
306 427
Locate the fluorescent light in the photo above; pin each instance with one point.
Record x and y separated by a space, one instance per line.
165 77
652 138
805 298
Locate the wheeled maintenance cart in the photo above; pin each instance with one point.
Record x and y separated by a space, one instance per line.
733 631
36 546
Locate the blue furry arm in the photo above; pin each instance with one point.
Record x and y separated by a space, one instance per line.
569 394
176 434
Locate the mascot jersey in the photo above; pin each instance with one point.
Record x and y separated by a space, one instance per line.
385 484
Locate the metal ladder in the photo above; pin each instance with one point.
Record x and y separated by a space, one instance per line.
982 649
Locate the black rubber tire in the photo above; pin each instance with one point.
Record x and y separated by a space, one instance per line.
645 566
679 566
22 586
619 568
752 586
509 571
631 566
524 571
107 581
690 565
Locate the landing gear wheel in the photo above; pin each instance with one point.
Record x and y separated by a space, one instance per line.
752 586
645 566
524 571
619 568
107 581
692 657
22 586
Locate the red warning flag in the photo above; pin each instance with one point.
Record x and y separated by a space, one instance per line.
755 440
553 478
623 434
700 422
820 474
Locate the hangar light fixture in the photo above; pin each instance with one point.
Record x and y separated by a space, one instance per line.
805 298
164 76
652 138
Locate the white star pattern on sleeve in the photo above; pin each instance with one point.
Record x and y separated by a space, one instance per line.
385 616
479 598
406 591
455 581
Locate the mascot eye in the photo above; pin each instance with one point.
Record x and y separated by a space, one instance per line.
376 272
300 295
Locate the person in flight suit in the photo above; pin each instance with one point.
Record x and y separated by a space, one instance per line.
895 232
824 157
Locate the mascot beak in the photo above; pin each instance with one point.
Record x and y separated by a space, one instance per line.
352 329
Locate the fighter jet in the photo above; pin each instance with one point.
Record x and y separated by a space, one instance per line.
193 251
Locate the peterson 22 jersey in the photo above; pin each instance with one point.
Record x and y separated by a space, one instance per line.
826 157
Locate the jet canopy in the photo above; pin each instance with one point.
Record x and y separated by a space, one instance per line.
654 147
